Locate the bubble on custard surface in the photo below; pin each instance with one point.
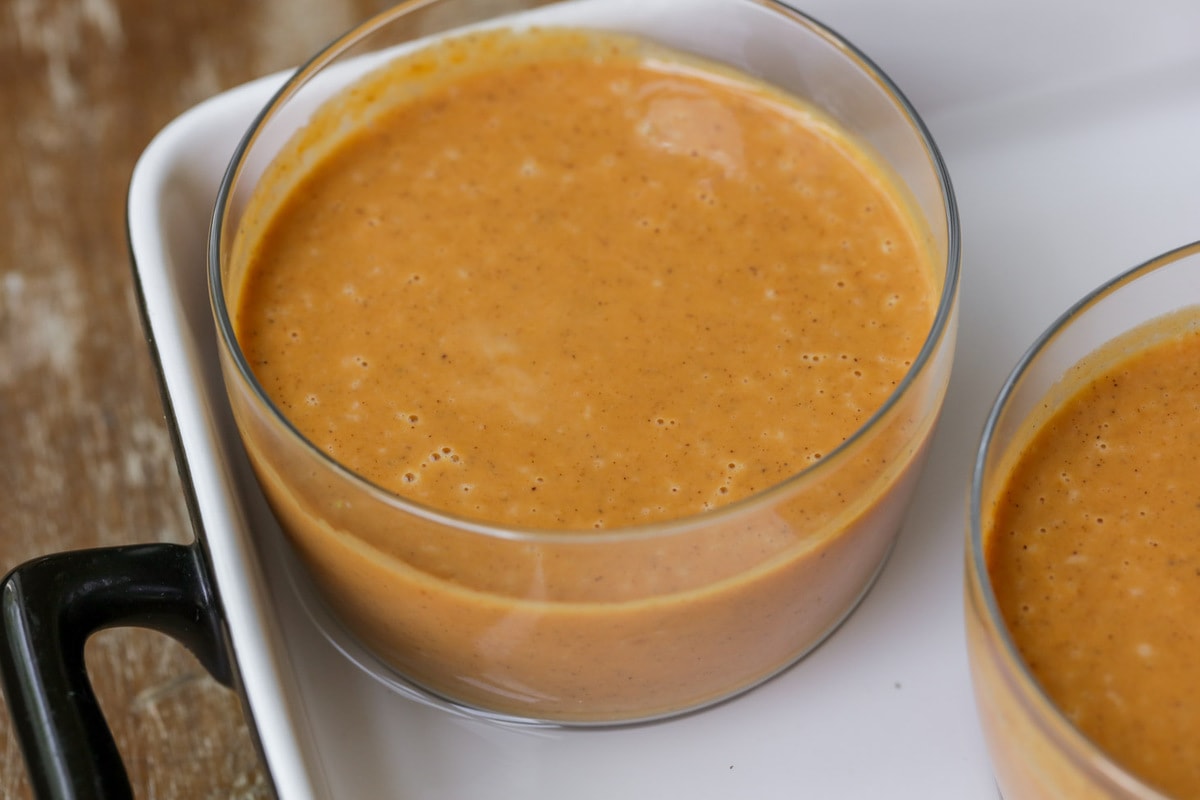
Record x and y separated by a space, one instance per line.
312 400
444 455
529 168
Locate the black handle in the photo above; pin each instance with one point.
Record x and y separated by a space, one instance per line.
50 607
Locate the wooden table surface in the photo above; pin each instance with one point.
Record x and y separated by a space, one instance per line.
85 458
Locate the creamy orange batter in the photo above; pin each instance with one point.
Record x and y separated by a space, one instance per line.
1094 553
565 280
574 294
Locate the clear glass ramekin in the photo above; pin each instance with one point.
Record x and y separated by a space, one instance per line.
1036 751
682 614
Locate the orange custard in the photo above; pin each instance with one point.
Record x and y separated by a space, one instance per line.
569 281
1094 552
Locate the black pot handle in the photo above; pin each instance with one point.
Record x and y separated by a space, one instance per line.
50 607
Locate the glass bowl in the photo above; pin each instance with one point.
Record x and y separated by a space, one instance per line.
1036 750
677 615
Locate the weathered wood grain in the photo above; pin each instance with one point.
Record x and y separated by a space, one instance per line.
85 457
